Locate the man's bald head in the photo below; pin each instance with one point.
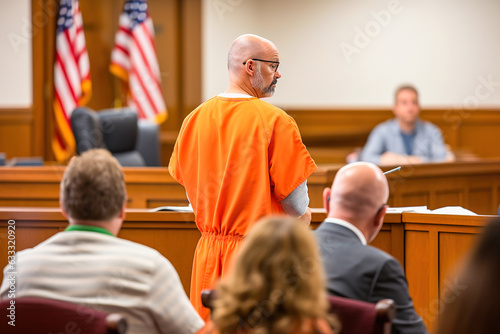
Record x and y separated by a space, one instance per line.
253 66
358 192
246 47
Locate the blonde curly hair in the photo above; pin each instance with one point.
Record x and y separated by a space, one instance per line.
276 284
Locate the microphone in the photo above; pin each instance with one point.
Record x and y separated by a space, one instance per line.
392 170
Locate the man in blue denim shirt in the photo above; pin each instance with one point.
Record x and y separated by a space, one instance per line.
405 139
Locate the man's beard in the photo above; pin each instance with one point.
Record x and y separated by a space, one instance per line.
260 85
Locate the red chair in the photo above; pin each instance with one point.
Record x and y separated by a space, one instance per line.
358 317
39 315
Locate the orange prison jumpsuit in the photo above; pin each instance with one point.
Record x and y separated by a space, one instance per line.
237 158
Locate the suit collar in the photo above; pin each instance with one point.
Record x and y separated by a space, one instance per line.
349 226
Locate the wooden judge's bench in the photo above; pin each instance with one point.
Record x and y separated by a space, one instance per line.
428 246
473 185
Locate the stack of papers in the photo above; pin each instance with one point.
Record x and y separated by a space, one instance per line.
418 209
453 210
188 208
447 210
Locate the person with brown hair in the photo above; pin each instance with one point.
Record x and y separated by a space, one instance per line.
473 303
405 139
275 285
88 265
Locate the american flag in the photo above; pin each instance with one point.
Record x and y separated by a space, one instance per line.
72 85
133 60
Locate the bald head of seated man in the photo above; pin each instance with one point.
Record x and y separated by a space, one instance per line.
88 264
356 205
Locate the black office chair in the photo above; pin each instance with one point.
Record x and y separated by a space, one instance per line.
131 142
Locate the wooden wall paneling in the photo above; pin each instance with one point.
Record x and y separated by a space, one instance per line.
417 198
43 75
170 57
431 244
16 132
149 186
433 275
434 185
387 239
166 17
176 243
403 191
100 23
322 127
383 239
28 237
151 196
25 194
449 197
443 240
446 188
187 50
321 178
479 139
482 197
454 245
173 234
398 242
38 186
418 264
30 202
38 41
191 20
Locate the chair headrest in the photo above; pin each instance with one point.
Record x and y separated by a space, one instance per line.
119 129
86 129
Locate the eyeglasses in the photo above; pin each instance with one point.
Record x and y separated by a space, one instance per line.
274 67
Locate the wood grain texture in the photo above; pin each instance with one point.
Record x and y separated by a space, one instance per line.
173 234
16 132
428 246
473 185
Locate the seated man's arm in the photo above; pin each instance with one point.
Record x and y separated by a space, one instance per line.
390 158
438 147
374 147
168 303
297 202
391 284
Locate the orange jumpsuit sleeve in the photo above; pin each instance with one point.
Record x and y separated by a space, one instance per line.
289 161
173 166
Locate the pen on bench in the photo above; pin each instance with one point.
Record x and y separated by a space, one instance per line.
392 170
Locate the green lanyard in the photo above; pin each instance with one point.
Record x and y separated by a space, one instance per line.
87 228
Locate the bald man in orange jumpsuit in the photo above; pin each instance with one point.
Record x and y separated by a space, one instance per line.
239 158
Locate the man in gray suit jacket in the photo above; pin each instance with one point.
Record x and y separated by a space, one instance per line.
356 206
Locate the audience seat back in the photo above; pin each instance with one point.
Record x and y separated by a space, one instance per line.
39 315
358 317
